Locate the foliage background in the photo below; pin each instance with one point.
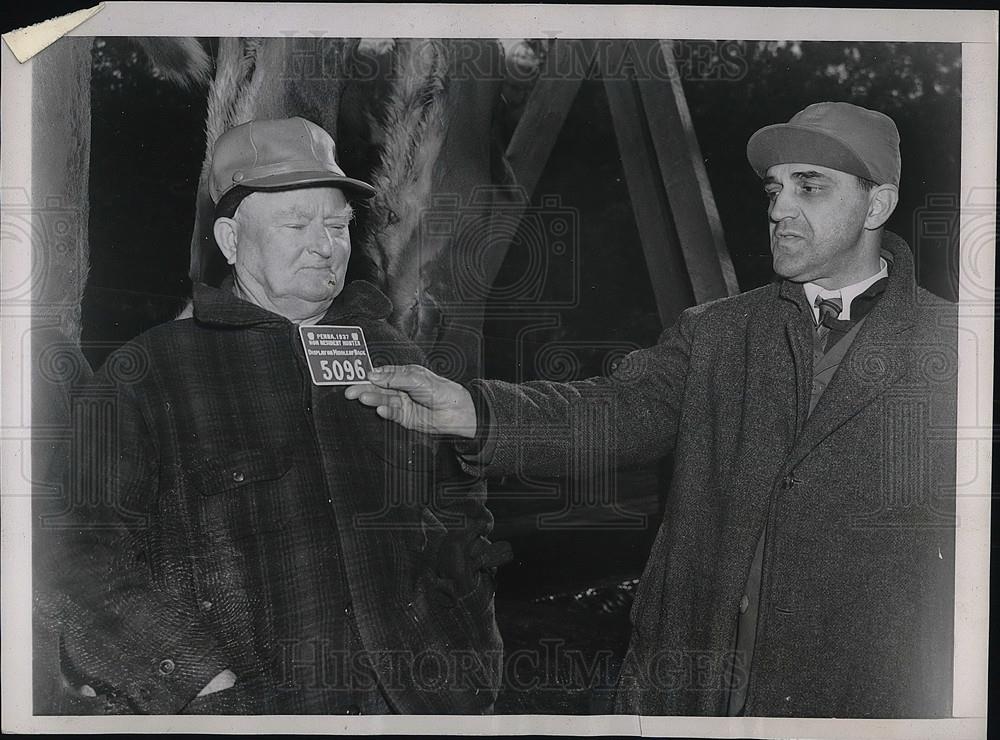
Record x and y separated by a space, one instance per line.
149 141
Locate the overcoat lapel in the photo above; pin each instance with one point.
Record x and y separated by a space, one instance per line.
876 360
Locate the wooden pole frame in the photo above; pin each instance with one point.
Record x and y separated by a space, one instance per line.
676 215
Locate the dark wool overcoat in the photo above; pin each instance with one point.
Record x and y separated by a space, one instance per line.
231 514
858 498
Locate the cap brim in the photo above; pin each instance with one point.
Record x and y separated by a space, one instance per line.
785 143
357 188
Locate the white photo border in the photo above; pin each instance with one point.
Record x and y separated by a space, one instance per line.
975 30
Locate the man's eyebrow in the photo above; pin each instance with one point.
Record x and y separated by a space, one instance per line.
292 211
809 175
347 213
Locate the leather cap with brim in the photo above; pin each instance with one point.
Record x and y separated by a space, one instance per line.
278 155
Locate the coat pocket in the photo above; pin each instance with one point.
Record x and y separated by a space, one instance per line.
240 493
240 470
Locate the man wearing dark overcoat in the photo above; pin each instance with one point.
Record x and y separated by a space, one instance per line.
805 563
246 540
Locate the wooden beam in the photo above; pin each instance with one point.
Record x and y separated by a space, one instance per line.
543 117
667 271
682 170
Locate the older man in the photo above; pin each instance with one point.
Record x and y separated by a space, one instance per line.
255 543
805 564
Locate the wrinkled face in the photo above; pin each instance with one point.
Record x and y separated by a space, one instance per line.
294 243
817 217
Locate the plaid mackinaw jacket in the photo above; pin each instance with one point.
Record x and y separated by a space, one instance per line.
230 514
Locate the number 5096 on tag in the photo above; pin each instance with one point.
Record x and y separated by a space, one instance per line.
337 355
343 370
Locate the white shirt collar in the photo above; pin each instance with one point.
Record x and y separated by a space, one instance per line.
847 294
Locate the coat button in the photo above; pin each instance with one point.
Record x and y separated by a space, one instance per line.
167 666
349 609
352 709
206 606
238 476
744 604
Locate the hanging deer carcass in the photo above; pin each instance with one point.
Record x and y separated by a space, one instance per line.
416 118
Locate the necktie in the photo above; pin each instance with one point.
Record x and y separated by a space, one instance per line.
860 306
829 310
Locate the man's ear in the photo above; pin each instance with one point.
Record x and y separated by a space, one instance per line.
225 230
882 202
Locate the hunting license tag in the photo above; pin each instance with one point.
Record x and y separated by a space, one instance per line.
337 355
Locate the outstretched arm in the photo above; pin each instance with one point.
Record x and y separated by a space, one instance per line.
546 428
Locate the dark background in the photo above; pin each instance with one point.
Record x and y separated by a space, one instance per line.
148 145
573 585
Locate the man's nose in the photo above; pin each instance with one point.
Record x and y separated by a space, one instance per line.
782 206
321 242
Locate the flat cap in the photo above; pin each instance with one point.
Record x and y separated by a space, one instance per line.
841 136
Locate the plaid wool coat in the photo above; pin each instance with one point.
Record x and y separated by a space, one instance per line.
857 594
231 514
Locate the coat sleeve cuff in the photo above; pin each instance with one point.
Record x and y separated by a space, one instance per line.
477 452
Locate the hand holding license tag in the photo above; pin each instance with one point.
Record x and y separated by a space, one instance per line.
337 355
